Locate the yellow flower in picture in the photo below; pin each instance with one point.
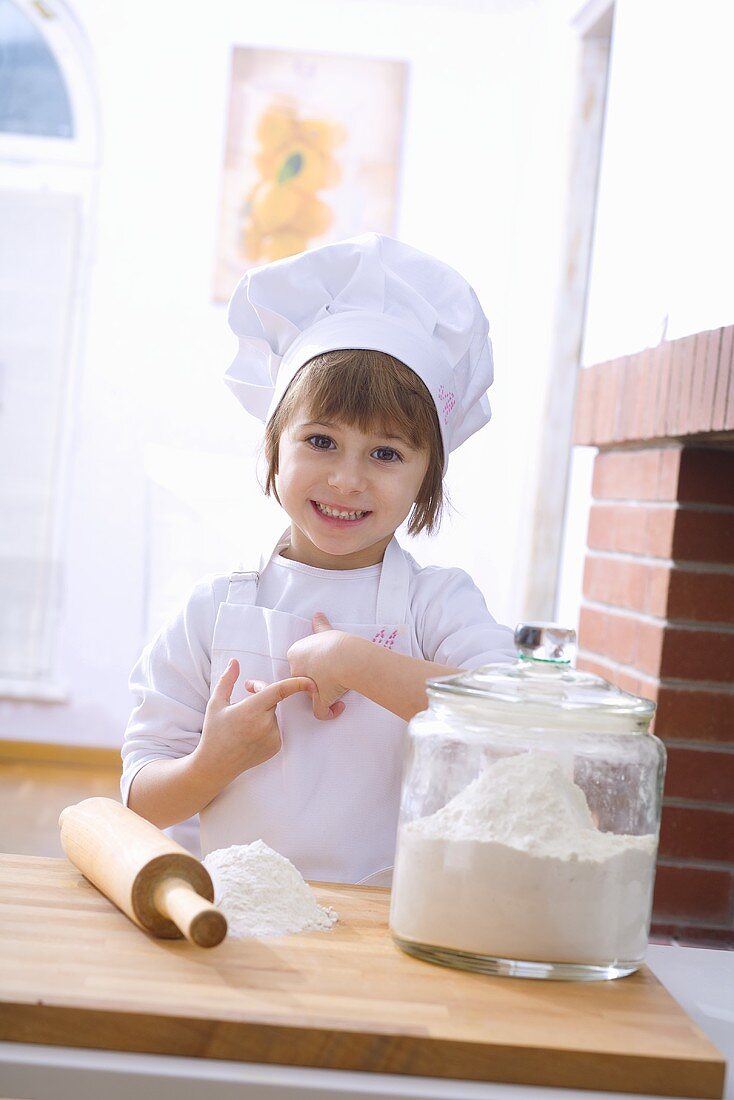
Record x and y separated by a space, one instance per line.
295 159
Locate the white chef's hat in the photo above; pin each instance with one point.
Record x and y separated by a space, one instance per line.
367 292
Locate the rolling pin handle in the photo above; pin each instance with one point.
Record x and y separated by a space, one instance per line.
200 921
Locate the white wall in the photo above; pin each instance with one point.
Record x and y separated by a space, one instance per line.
163 485
665 224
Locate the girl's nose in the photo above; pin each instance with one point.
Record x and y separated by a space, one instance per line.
348 477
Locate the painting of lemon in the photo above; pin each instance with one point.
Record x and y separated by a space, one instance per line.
295 160
308 157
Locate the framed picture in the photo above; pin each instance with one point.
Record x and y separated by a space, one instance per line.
312 155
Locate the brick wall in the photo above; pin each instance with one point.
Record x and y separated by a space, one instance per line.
657 616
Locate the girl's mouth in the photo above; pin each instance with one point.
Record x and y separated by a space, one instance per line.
339 517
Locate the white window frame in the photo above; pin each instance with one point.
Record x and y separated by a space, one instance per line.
67 166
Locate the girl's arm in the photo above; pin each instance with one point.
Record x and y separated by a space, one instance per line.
337 662
394 680
168 791
235 737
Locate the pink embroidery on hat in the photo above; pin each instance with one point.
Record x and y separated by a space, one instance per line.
449 400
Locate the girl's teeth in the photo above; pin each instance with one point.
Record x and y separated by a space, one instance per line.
338 515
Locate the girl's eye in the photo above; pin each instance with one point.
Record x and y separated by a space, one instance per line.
318 441
392 455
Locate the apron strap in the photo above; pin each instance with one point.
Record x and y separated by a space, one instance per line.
243 583
243 587
394 589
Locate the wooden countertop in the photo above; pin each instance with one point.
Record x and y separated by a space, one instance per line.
76 972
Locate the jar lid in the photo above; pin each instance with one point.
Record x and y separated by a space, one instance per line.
543 679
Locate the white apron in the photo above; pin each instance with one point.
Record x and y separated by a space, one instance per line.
329 799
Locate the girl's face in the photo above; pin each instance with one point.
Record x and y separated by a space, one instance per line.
346 493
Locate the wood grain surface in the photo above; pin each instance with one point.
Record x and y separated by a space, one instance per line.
74 971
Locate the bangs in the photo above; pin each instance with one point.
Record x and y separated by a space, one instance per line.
369 391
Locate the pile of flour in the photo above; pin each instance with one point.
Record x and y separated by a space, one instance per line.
261 893
515 867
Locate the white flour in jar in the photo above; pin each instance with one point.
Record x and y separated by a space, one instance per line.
515 867
261 893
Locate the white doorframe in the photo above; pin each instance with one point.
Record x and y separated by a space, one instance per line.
593 23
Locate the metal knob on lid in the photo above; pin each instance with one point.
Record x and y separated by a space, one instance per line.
545 642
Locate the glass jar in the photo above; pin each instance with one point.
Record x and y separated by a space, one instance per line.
529 820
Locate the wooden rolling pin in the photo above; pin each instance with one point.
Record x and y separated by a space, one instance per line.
156 882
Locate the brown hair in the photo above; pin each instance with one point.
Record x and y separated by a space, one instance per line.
368 390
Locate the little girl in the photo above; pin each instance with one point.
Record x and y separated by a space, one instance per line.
274 705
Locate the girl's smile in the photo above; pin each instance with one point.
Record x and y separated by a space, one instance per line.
335 514
345 491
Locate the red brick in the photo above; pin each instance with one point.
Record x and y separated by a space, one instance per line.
645 382
627 398
636 374
686 533
705 401
729 415
660 590
697 833
650 638
592 632
664 382
657 358
606 401
677 361
583 432
677 408
601 400
706 476
695 655
698 381
670 459
627 584
702 775
656 596
703 536
686 411
640 474
626 680
605 406
609 580
616 408
703 597
690 715
623 638
724 380
693 893
636 530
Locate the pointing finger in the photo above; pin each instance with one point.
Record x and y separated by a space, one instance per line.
271 694
320 622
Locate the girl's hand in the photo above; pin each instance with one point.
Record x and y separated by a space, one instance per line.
239 736
317 657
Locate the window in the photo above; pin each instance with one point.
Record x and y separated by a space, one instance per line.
47 178
33 95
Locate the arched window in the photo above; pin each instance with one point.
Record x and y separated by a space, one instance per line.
48 160
33 95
